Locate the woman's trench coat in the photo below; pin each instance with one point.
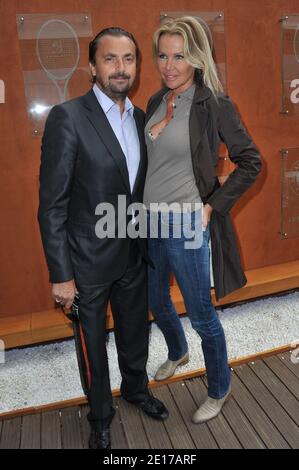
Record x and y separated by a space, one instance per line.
209 124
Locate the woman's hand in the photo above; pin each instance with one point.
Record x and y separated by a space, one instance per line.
206 215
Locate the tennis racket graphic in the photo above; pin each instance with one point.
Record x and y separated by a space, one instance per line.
296 44
58 52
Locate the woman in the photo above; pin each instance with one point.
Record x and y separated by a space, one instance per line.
185 123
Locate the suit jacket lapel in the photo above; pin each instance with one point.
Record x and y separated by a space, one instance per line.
143 157
98 119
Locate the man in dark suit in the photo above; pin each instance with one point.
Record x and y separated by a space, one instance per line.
93 151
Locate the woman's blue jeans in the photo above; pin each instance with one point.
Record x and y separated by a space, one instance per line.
191 268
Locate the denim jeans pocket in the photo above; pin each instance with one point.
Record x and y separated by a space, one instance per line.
186 226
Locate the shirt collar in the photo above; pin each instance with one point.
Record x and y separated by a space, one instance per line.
107 103
189 93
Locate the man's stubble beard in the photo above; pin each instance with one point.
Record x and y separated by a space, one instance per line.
112 91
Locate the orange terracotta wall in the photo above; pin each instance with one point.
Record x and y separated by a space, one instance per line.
253 53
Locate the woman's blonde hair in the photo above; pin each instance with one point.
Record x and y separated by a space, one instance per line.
197 49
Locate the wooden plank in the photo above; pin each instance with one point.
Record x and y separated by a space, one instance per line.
84 424
133 427
240 425
176 429
16 330
14 324
118 436
44 408
264 281
288 378
257 417
31 432
223 433
201 435
218 426
70 430
50 430
156 433
11 434
272 273
286 360
277 388
50 325
288 429
153 384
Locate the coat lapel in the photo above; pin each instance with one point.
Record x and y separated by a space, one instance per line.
154 103
197 125
99 121
198 117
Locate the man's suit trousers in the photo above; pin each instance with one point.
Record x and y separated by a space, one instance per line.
128 300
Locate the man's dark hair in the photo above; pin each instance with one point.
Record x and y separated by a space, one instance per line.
113 31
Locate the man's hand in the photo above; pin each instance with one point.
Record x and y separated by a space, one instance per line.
64 292
206 215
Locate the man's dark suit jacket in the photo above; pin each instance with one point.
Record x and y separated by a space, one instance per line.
82 165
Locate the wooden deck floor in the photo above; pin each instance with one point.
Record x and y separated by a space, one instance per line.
262 413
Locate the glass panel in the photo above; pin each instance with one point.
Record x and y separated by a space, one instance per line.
54 69
290 64
215 22
290 193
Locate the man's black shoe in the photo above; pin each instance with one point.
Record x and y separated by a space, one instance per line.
153 408
99 439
